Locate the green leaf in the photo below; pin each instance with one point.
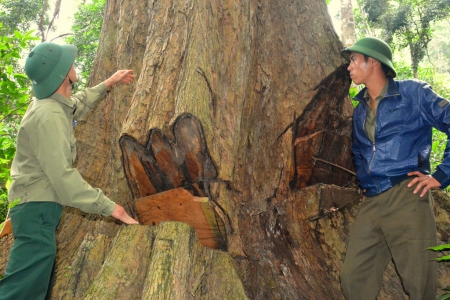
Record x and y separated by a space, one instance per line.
14 203
18 35
443 258
8 183
440 247
435 146
22 76
444 297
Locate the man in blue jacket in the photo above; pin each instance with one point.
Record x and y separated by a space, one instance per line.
392 129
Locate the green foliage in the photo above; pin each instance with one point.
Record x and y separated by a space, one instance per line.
362 26
353 92
14 95
87 27
11 205
446 296
20 15
405 23
438 149
374 9
442 248
428 73
439 47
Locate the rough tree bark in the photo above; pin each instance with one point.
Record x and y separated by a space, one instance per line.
264 80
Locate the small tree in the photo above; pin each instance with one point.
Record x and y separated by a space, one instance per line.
348 34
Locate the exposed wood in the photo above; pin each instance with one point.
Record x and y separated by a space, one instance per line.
323 133
180 205
157 170
5 227
163 164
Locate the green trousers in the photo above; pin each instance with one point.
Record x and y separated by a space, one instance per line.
31 261
394 225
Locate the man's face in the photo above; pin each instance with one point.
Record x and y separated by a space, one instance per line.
360 69
73 74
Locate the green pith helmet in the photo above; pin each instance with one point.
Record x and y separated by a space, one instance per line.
47 65
374 48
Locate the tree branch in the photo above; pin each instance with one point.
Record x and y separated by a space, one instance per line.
11 112
60 36
334 165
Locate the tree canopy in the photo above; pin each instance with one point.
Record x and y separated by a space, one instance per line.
405 23
21 15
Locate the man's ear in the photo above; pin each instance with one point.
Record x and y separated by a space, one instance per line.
374 61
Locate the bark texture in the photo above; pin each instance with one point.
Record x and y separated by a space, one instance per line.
276 127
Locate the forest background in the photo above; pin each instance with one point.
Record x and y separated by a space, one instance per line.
415 29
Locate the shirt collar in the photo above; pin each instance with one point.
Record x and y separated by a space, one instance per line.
391 89
382 94
62 99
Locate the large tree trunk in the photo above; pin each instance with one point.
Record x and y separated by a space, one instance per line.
276 128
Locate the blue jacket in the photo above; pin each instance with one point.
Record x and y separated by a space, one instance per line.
403 133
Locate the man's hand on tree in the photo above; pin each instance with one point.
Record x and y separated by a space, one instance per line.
120 214
123 76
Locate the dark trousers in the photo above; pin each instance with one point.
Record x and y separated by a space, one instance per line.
31 261
394 225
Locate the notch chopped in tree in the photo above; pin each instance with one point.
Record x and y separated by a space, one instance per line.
169 179
322 133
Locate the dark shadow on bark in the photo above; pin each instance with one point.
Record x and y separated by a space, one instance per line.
322 135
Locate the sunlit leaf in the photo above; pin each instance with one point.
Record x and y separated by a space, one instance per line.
443 258
440 247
